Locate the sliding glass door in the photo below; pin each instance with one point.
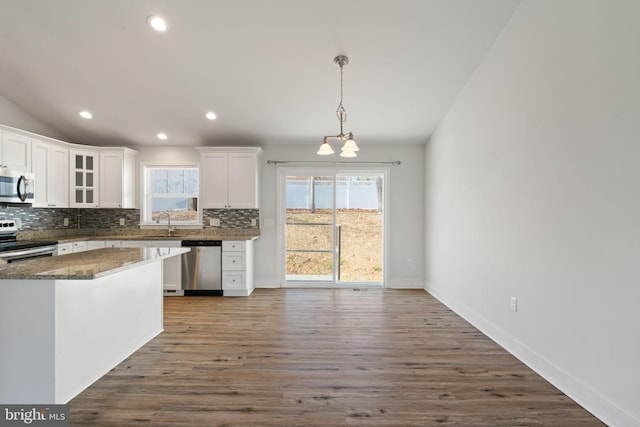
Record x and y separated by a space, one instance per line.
333 227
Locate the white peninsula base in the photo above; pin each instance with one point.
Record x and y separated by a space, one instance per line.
60 336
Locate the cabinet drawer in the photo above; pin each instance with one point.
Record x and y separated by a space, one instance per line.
233 246
95 244
79 246
64 248
233 261
233 280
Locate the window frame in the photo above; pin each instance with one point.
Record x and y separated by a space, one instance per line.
145 196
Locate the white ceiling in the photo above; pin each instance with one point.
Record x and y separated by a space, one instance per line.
265 67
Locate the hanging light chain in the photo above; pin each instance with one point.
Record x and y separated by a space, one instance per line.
341 112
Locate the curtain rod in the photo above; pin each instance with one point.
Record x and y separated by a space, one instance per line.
277 162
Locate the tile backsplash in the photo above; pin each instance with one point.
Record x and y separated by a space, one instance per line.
36 219
232 218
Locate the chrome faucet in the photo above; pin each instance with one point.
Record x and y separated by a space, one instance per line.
170 229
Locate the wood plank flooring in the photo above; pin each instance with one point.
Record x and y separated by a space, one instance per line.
322 357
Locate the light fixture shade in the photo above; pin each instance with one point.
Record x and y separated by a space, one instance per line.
350 145
325 149
347 153
157 23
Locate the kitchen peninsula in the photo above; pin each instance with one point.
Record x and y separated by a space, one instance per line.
66 321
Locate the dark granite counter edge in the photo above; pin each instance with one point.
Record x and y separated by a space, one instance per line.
87 237
8 272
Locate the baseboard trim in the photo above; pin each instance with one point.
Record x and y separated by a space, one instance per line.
266 284
406 284
238 293
605 410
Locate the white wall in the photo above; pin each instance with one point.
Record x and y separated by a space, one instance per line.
533 191
406 210
14 116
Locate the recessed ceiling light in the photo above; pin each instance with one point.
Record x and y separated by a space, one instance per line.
162 135
85 114
211 115
157 23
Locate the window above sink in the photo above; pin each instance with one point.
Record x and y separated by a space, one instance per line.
170 191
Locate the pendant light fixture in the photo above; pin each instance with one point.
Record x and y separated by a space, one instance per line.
349 148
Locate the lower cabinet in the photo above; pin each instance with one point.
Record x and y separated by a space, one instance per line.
95 244
171 275
237 268
65 248
237 262
80 246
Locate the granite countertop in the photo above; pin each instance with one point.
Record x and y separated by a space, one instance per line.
234 234
85 265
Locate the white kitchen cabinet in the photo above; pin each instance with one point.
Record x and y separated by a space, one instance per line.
15 152
136 243
50 163
95 244
237 268
171 273
113 244
83 178
229 177
65 248
80 246
117 178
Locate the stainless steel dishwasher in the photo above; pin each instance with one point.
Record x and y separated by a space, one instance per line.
202 267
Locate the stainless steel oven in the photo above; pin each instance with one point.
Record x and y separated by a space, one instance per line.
14 250
16 187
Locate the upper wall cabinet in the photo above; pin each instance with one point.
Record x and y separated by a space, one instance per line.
117 178
83 178
50 163
229 177
16 152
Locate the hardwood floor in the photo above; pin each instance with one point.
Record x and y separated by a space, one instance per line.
321 357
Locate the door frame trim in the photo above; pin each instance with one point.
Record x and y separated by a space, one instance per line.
281 173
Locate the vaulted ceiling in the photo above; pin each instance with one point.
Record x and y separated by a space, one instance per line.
264 67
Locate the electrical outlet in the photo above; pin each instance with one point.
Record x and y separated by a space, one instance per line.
214 222
253 222
121 221
514 304
66 222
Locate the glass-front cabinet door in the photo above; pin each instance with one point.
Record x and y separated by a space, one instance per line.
84 181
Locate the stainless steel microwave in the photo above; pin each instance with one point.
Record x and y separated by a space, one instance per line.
16 187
